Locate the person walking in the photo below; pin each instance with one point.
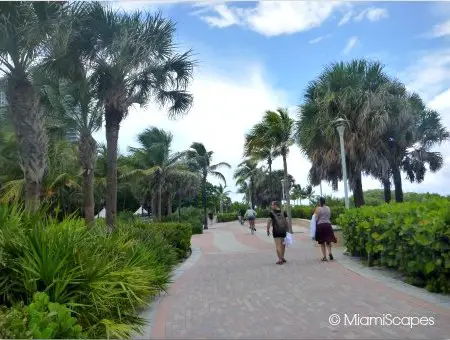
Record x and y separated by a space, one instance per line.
280 227
324 230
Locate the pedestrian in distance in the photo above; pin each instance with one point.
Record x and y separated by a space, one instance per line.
280 227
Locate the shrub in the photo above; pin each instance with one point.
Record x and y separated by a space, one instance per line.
413 238
41 319
103 277
178 235
190 215
227 217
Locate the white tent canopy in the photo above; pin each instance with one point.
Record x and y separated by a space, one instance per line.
141 211
102 213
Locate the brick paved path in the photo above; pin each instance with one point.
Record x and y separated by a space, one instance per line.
235 290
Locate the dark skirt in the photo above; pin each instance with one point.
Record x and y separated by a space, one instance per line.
325 233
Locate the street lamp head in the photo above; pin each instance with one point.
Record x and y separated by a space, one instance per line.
340 125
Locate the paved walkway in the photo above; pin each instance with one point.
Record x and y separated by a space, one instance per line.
231 288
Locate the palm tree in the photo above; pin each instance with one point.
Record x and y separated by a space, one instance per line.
154 159
257 148
133 59
247 170
411 131
278 132
25 29
72 107
201 160
222 195
343 90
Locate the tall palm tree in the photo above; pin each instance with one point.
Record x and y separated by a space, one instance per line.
72 106
343 90
201 160
155 159
222 195
133 59
411 131
257 148
247 170
279 132
25 29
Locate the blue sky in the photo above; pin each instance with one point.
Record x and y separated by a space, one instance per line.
255 56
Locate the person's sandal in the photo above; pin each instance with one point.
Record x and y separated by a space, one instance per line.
324 259
284 261
280 262
331 257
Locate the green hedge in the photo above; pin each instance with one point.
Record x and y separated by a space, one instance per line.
178 235
413 238
227 217
305 212
191 215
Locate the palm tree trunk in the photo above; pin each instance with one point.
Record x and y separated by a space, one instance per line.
358 194
387 190
154 205
25 112
159 200
269 162
398 185
204 201
221 205
286 190
112 137
169 204
87 151
252 193
179 206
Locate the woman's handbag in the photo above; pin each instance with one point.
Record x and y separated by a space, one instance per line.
312 227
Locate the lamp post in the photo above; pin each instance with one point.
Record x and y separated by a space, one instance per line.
340 127
283 195
321 195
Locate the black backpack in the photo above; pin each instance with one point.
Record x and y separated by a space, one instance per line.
280 225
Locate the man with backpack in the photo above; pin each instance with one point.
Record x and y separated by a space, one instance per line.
280 227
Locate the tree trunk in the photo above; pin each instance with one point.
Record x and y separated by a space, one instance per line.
25 112
387 190
252 193
221 206
87 152
204 201
159 200
398 185
269 162
154 204
112 137
169 205
179 206
358 194
287 191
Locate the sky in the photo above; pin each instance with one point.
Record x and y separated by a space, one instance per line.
258 56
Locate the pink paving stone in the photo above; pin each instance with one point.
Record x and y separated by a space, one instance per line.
244 295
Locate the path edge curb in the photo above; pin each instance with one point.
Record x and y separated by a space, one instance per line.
151 311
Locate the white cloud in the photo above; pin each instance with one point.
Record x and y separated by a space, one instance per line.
430 74
225 17
372 14
346 18
351 43
225 107
319 39
272 18
441 30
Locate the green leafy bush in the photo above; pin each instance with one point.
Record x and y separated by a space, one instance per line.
413 238
105 278
227 217
41 319
190 215
178 235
